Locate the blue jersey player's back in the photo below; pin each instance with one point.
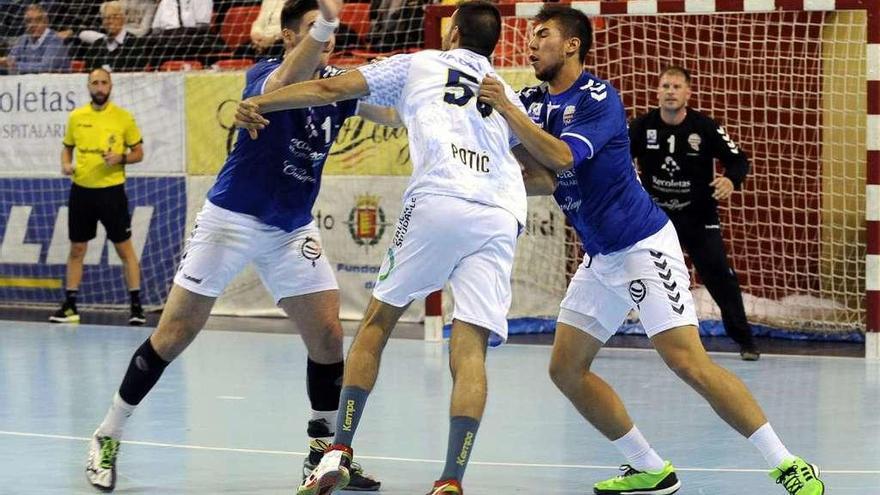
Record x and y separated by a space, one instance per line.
600 195
277 176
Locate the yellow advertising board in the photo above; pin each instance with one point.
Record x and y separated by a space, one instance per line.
211 100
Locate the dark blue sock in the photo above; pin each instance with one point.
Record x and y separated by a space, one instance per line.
462 433
351 405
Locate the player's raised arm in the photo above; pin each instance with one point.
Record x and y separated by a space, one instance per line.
299 64
552 153
301 95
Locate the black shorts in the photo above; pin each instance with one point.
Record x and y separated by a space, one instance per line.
87 207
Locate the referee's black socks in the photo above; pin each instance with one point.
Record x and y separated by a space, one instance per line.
135 295
70 296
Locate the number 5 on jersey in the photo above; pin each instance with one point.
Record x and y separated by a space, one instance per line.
459 93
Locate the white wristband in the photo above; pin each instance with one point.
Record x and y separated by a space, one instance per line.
323 29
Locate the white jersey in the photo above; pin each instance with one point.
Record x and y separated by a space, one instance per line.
458 146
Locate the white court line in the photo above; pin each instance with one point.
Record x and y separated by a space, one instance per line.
407 459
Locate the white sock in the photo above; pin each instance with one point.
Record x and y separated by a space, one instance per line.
330 418
638 452
768 443
116 417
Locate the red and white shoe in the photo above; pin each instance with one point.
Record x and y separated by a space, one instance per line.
446 487
331 474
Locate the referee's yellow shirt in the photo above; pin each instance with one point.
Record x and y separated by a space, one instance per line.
94 132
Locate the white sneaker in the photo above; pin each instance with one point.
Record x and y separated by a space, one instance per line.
330 475
101 468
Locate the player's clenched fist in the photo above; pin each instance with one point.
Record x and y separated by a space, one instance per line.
248 116
492 93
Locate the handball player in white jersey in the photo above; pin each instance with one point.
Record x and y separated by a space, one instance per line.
259 211
461 215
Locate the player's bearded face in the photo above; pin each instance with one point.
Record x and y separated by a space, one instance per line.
547 54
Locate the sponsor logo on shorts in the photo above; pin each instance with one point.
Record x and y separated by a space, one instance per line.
366 221
637 291
403 222
192 279
311 249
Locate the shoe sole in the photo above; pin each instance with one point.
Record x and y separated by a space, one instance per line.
137 321
66 319
105 489
326 484
663 491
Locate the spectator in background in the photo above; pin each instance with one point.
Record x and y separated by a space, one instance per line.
39 49
182 30
115 49
101 141
266 39
70 17
139 16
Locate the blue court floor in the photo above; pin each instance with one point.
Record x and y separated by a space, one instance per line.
229 418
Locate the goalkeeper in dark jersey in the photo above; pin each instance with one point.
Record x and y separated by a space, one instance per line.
675 148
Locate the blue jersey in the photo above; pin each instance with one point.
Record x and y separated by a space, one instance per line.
277 176
600 195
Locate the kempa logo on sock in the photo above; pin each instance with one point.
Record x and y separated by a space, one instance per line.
465 449
349 412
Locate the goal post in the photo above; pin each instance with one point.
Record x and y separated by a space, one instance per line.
797 84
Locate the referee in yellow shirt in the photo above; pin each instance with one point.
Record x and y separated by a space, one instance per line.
101 140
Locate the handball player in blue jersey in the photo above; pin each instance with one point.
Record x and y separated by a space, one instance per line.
633 260
260 211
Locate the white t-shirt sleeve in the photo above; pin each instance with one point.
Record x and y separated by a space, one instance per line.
386 80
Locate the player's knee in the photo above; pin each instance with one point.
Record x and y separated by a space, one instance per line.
693 372
78 251
467 361
563 374
173 335
330 339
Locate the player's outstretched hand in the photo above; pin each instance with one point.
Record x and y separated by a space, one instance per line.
723 188
247 116
330 9
492 93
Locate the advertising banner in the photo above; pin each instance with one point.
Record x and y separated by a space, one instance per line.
34 111
35 245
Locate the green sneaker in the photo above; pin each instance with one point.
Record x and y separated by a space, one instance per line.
633 482
798 477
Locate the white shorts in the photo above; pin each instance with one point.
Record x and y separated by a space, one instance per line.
650 275
223 242
468 244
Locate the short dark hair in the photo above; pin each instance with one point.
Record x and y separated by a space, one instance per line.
574 24
293 12
479 26
678 71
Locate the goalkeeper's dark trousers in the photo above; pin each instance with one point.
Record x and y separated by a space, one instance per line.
701 239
